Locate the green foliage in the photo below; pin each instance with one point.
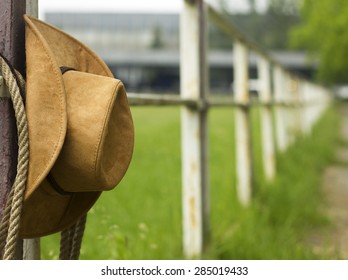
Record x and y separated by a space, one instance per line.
142 219
284 7
324 33
267 30
157 40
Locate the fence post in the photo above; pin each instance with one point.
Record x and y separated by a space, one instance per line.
193 83
314 108
307 93
288 98
295 116
295 90
31 247
242 122
11 47
280 111
268 150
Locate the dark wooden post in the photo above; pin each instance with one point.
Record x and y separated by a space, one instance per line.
12 39
12 47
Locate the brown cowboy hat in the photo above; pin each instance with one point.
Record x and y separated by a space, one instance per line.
81 132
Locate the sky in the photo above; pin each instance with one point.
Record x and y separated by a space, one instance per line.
147 6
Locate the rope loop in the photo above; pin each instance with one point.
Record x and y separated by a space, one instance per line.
71 238
9 227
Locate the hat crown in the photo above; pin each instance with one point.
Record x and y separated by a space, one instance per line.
99 139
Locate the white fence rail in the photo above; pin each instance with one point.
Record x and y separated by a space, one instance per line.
278 101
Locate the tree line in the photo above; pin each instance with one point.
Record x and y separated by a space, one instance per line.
317 26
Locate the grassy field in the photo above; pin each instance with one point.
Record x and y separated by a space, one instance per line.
141 218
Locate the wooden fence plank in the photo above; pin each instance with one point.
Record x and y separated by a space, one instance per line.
194 129
242 124
280 114
31 247
11 47
268 149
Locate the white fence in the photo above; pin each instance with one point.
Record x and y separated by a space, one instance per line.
279 91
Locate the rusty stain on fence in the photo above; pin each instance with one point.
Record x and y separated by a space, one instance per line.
193 217
194 168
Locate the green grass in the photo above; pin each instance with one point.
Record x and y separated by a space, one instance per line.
141 218
287 209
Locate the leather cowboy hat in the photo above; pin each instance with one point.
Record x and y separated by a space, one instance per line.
81 132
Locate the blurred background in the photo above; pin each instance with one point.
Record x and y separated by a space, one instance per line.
139 40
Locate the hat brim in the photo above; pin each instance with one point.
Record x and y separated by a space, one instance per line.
47 48
47 211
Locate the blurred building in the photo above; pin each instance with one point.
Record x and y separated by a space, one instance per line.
107 32
143 50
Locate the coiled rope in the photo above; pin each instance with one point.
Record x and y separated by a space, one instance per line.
9 228
71 238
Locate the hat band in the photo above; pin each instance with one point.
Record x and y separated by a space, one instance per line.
55 185
50 177
64 69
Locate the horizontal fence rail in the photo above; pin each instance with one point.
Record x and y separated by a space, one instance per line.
293 103
159 99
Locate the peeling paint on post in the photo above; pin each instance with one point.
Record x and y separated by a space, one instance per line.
193 77
242 119
268 150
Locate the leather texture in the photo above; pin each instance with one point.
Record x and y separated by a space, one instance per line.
81 131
